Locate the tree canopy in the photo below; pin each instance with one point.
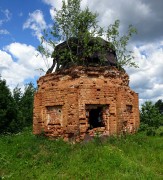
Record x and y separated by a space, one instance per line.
159 105
8 111
16 110
151 117
82 25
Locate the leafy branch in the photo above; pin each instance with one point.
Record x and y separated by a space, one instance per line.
82 39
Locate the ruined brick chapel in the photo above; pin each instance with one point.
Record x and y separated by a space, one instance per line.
79 101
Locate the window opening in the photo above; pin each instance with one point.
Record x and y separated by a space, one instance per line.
95 118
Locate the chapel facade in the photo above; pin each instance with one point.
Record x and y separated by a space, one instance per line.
82 101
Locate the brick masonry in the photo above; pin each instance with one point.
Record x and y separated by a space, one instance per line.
82 101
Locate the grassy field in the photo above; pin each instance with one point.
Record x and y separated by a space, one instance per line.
25 156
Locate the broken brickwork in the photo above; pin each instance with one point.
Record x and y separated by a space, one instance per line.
82 101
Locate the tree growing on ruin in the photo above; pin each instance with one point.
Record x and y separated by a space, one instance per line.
78 28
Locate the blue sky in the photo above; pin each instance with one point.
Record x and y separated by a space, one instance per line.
22 23
18 13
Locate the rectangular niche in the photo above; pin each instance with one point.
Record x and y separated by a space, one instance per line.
54 115
129 108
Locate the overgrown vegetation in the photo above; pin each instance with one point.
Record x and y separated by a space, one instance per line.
16 109
78 28
25 156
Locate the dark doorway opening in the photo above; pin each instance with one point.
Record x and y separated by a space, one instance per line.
95 118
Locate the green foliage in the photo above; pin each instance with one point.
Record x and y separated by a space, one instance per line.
25 156
26 104
151 131
74 22
159 106
159 131
71 22
17 94
16 111
124 56
150 118
8 110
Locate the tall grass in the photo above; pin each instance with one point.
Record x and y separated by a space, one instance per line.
25 156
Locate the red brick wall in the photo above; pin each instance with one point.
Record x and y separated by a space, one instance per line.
69 94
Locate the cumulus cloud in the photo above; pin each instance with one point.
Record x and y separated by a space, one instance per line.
147 79
146 15
36 22
20 62
11 71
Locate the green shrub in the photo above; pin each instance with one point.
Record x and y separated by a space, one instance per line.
159 131
150 131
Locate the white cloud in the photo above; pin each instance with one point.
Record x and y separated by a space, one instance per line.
12 72
36 22
147 80
19 63
5 59
4 31
52 13
5 16
146 15
57 4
